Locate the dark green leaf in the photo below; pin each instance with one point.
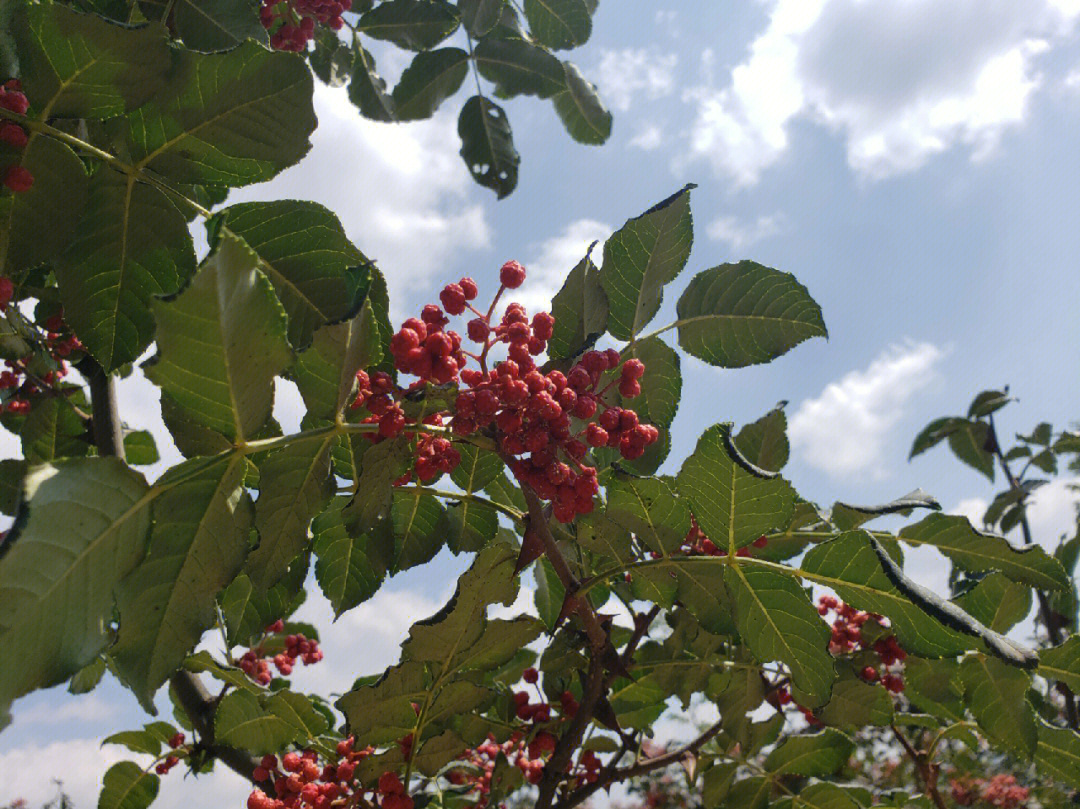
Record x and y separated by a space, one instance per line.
649 508
1062 663
661 386
266 725
996 694
935 432
518 67
733 502
480 16
382 464
934 685
743 314
247 611
221 342
53 430
230 118
332 59
140 448
419 527
197 545
997 602
855 703
303 250
580 309
580 109
646 253
417 25
969 444
82 66
431 78
987 402
811 754
1058 753
976 551
127 786
487 145
846 517
349 569
84 529
367 90
558 23
764 442
131 247
217 25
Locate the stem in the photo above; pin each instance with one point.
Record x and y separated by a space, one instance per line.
1053 627
926 769
509 511
108 434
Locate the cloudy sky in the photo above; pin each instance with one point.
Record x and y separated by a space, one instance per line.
913 162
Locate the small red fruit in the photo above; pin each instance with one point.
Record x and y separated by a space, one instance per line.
512 275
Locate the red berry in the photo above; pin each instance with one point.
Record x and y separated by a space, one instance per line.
761 541
543 325
468 286
478 330
390 784
14 100
629 388
530 675
453 299
633 369
13 134
512 275
18 179
596 435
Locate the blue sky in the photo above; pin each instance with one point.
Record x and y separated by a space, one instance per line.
912 162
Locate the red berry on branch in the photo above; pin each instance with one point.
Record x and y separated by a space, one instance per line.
512 275
13 135
18 179
530 675
468 286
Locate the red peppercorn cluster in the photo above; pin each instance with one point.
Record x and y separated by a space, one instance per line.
294 20
171 760
532 413
18 385
697 544
301 783
1001 791
17 178
846 638
297 647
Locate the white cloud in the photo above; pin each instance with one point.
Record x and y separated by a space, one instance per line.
843 431
552 259
402 192
900 80
740 233
648 138
624 74
1072 80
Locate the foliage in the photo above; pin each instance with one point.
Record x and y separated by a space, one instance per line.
532 450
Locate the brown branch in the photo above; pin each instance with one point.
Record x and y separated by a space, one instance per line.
1049 619
926 769
642 767
108 434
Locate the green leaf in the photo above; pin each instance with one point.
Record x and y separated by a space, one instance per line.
934 433
749 793
131 247
1041 435
744 314
847 517
470 526
416 25
969 443
733 501
294 485
305 253
197 546
518 67
140 448
580 108
247 611
266 725
85 528
150 740
641 257
382 464
997 602
811 754
1062 663
36 225
126 786
777 621
419 527
976 551
53 430
1058 753
855 703
824 795
326 372
480 16
559 24
649 508
764 442
580 309
349 569
431 78
203 661
549 594
987 402
367 90
221 342
217 25
849 565
934 686
996 695
87 678
487 145
230 118
661 386
83 66
332 59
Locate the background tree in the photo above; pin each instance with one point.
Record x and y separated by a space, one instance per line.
512 438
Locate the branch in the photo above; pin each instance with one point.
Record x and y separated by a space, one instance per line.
108 434
926 769
641 768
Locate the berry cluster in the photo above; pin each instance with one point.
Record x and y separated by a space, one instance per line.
297 647
12 98
1001 791
171 760
294 20
301 783
697 544
847 638
19 385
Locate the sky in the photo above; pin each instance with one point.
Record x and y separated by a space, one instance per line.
912 162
